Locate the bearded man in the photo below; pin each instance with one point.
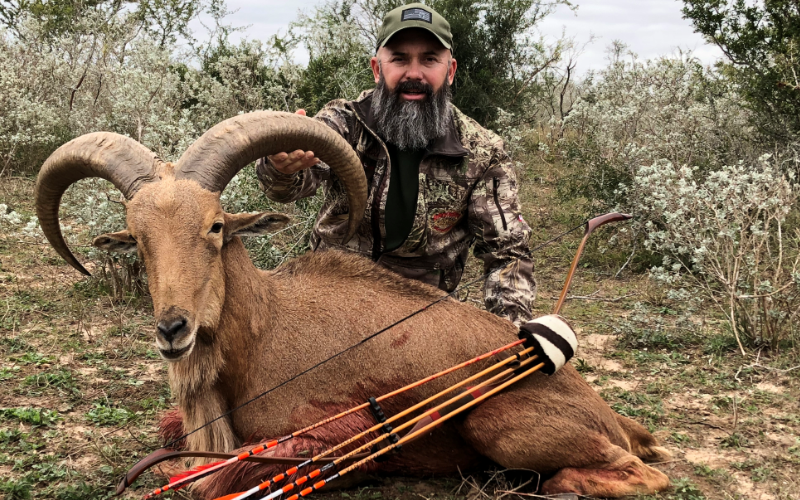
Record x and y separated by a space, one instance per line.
438 181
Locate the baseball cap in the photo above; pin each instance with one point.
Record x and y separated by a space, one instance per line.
415 15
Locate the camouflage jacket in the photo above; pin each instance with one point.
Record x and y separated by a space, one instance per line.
467 194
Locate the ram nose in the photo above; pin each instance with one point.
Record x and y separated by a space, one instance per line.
174 334
169 329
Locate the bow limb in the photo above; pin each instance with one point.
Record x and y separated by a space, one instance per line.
162 455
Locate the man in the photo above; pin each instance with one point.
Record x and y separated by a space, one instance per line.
437 180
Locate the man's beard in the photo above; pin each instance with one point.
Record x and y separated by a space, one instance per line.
411 124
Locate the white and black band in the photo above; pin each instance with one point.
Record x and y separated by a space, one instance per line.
552 338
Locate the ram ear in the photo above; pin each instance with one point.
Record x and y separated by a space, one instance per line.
253 224
119 242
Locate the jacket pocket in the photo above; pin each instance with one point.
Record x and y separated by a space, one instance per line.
447 192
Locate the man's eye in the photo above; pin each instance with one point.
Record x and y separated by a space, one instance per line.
217 227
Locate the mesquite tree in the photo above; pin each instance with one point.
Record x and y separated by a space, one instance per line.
761 41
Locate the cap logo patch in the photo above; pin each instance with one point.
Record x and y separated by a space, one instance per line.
417 14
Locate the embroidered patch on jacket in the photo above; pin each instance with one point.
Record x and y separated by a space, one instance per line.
416 14
444 221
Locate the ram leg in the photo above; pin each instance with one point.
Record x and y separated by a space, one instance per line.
626 476
559 425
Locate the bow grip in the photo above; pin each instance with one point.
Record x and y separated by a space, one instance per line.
553 340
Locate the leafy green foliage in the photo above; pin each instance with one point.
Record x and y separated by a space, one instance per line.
647 327
15 489
583 366
338 66
8 436
7 373
638 112
642 407
725 238
81 491
684 489
105 414
60 380
57 16
735 440
499 55
164 20
36 417
761 41
32 358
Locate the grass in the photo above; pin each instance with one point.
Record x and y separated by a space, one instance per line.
63 382
82 388
104 415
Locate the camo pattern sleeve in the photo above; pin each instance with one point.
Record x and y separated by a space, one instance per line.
502 236
286 188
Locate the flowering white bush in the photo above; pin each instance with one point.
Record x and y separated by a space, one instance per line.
9 217
638 112
724 237
30 124
17 225
123 79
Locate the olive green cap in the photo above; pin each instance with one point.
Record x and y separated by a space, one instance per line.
415 15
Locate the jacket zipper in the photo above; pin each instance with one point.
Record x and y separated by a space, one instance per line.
376 197
497 203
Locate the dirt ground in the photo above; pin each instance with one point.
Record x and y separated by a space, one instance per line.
82 388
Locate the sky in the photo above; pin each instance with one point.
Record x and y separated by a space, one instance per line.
650 28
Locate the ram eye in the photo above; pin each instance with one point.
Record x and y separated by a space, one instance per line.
217 227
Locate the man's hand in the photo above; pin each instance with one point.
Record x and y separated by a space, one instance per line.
289 163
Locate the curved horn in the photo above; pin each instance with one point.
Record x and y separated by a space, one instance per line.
220 153
121 160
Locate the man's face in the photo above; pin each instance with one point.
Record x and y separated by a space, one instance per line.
414 55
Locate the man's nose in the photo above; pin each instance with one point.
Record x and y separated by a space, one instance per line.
414 71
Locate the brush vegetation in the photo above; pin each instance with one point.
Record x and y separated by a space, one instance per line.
687 316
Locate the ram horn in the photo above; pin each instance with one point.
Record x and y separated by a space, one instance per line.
120 160
220 153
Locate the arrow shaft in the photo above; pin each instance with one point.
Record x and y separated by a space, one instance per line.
412 409
411 436
405 425
441 420
271 444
